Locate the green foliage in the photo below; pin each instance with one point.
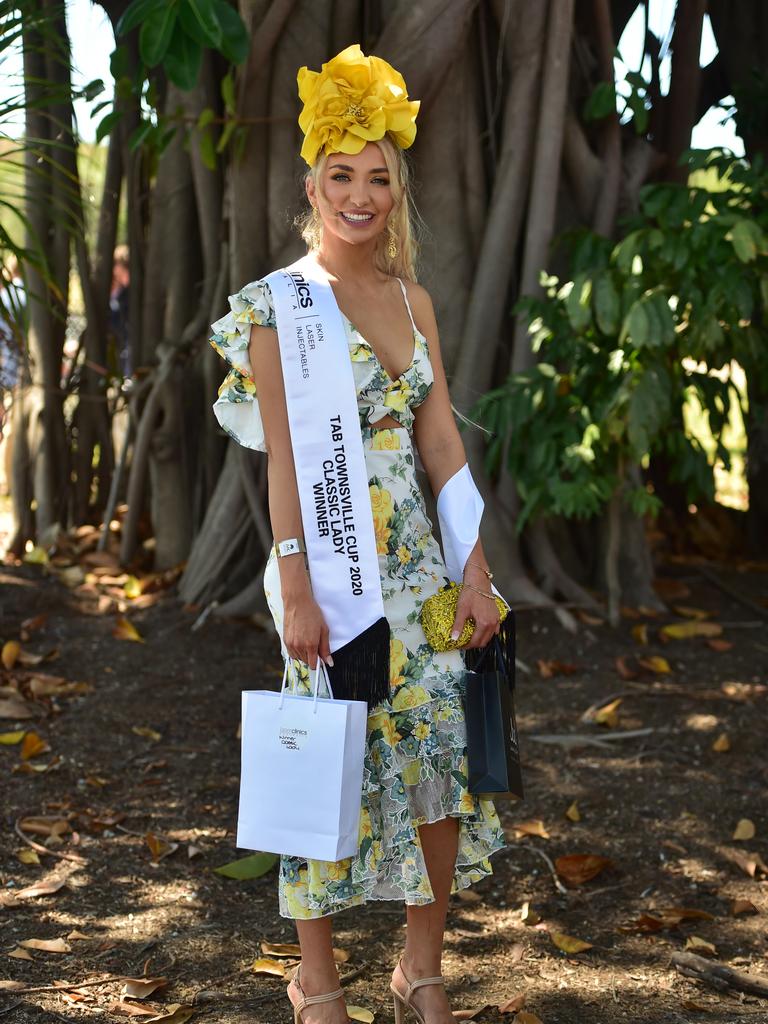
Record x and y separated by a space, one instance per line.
173 34
639 326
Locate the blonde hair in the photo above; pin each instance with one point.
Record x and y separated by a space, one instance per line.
402 219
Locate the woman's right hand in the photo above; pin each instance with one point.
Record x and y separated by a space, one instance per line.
305 632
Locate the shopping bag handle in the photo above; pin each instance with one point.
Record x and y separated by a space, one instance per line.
320 663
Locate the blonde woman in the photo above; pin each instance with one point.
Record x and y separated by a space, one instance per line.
422 834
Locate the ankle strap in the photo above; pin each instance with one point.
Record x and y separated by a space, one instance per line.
412 985
325 998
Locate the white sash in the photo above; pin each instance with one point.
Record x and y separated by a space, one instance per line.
328 453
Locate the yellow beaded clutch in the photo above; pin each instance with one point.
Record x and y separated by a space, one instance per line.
438 613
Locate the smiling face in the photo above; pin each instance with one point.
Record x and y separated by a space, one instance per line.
354 197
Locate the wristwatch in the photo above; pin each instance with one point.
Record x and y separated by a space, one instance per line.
292 546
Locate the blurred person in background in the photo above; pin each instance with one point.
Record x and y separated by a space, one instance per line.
118 309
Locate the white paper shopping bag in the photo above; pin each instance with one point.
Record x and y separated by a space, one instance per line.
301 774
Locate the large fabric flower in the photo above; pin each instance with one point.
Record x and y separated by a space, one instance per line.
353 100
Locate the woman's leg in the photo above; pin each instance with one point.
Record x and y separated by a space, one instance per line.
426 924
318 973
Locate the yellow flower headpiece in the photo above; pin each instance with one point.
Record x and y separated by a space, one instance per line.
353 100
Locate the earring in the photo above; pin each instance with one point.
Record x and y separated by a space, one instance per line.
391 243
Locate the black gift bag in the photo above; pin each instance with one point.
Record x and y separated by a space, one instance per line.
493 753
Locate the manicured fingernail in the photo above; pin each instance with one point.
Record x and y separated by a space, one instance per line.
329 661
455 634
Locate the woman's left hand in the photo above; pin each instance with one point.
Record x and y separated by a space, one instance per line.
483 610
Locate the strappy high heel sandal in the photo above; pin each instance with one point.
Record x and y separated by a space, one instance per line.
306 1000
404 1001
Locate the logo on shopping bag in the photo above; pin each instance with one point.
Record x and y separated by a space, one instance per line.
291 738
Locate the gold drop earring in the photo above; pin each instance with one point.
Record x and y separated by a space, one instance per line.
391 243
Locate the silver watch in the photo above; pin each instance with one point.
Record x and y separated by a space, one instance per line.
289 547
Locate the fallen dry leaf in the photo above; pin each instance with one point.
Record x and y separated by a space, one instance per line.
687 630
722 744
9 738
745 829
14 706
42 685
670 589
360 1013
573 813
528 915
45 825
26 855
656 664
290 949
640 633
513 1005
577 868
742 906
21 954
690 613
159 846
691 1004
608 714
623 668
32 746
750 863
146 732
700 946
531 828
471 1014
10 653
527 1018
668 917
140 988
48 945
30 892
177 1013
263 965
125 630
718 644
30 625
568 943
549 667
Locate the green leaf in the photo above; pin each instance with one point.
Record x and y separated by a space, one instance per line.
577 303
607 305
225 136
747 240
205 13
236 42
228 92
136 13
140 135
637 326
208 150
119 62
253 866
107 123
155 34
206 116
602 102
648 411
182 61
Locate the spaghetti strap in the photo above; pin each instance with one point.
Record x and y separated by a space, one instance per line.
407 304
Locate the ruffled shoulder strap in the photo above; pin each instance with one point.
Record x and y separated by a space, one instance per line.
237 407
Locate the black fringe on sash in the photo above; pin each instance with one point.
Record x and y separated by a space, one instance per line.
360 668
498 655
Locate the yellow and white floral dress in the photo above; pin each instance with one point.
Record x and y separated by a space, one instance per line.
415 762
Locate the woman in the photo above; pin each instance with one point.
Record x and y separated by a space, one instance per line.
422 834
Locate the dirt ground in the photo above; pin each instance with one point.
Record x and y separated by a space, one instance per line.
151 747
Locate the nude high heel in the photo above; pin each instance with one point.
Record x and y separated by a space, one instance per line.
402 1002
306 1000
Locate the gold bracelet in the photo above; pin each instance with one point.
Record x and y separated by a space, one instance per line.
469 585
487 572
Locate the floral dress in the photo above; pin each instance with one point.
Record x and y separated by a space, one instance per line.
415 768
